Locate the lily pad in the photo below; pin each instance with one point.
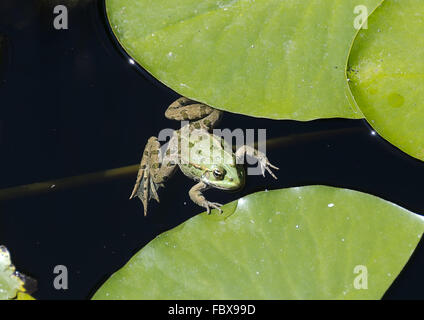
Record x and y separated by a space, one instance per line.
264 58
301 243
387 73
10 281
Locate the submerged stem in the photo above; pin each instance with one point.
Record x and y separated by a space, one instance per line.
128 171
68 182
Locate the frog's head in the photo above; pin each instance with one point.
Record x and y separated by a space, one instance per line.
226 177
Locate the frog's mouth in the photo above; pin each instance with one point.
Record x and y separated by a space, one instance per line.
232 187
235 188
228 189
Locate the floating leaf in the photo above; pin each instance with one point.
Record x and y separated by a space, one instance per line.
11 282
387 73
264 58
24 296
298 243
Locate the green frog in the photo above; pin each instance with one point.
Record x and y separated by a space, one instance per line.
201 156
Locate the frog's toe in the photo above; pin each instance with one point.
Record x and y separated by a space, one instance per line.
266 165
153 191
214 205
271 173
142 193
272 166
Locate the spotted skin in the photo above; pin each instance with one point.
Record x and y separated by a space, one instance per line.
201 156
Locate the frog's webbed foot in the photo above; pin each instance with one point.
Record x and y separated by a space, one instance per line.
197 197
145 187
262 159
153 171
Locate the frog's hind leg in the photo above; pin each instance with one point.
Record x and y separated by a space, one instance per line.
204 116
151 174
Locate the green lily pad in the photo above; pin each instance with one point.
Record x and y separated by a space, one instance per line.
301 243
264 58
10 282
387 74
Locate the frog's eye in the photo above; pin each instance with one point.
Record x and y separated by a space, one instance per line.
219 174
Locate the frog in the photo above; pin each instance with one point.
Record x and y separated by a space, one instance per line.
202 156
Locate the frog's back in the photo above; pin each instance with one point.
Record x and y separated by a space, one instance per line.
201 149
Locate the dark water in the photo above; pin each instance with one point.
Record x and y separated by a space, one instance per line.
70 103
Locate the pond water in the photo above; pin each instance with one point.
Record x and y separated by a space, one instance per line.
71 103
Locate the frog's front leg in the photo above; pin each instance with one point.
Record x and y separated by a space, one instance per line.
153 172
262 159
197 197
